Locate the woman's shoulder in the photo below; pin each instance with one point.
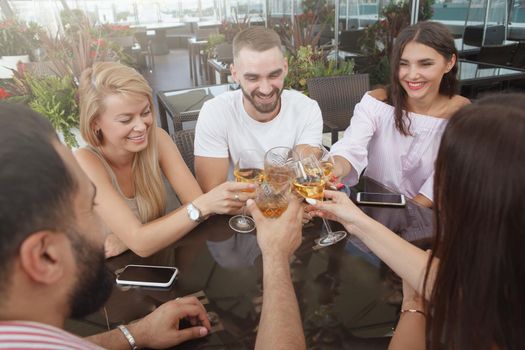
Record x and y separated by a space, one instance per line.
375 103
91 163
455 103
379 94
459 101
86 154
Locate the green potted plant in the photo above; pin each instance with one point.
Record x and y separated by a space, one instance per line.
55 98
17 42
213 41
54 94
311 63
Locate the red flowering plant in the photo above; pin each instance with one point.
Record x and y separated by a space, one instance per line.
55 95
307 27
4 94
113 30
18 38
230 28
106 42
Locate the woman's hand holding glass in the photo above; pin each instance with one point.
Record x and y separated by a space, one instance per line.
311 175
227 198
338 207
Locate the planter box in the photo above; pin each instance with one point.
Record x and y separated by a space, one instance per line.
7 62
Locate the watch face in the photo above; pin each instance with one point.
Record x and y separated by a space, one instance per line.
194 214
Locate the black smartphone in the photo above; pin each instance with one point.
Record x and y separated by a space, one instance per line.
147 275
393 199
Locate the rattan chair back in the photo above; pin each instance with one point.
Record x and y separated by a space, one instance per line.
337 97
184 140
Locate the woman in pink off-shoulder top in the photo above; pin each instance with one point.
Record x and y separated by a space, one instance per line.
394 134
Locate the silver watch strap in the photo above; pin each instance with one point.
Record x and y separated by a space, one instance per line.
129 337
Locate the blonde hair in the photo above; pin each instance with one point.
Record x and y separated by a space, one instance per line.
112 78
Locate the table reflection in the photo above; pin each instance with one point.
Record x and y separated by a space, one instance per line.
346 295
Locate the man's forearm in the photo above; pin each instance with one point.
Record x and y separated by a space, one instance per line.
113 339
280 326
211 172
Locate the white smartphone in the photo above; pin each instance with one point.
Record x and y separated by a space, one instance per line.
147 275
393 199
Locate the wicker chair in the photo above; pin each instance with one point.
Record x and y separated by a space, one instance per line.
185 107
184 141
337 97
518 60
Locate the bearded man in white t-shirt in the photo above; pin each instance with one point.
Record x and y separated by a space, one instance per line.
260 115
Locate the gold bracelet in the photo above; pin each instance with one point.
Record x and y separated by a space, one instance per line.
414 311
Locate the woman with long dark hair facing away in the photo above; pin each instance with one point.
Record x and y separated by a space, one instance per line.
126 157
473 279
395 131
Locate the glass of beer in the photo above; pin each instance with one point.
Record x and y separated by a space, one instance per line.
309 181
272 197
248 169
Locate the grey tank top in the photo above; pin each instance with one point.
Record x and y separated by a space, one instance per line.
172 201
131 202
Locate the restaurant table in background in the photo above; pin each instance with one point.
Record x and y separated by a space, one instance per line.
184 105
346 295
218 71
194 48
467 50
159 44
473 75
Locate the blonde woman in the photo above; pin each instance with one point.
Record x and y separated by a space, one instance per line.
126 156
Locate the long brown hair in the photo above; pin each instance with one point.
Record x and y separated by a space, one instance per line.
431 34
477 301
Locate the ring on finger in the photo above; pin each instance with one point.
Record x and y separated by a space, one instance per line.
236 197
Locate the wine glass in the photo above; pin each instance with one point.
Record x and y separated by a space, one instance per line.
277 163
325 159
272 197
248 169
312 173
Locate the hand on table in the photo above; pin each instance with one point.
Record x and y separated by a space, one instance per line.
160 329
227 198
280 236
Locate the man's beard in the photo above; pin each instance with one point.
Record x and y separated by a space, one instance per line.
94 279
260 107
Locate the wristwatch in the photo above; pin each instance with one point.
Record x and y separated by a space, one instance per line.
194 213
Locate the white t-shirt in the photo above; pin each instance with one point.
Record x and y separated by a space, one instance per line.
224 129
